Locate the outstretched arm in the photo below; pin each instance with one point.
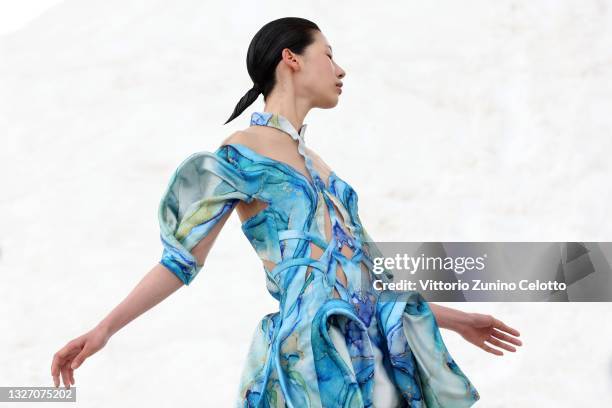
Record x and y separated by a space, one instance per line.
155 286
477 328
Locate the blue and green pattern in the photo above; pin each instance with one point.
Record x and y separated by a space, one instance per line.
292 361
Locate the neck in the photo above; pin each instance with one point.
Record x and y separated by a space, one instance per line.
284 102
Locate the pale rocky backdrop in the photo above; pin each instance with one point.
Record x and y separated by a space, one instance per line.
473 121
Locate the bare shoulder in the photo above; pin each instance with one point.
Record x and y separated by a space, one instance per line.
239 136
250 138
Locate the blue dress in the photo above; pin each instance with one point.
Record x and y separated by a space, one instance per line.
294 360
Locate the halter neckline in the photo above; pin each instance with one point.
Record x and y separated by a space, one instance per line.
278 121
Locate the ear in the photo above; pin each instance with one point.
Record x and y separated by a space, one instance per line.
291 59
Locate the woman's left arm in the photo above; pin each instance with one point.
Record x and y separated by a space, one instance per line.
477 328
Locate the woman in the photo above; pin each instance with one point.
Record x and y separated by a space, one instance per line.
331 344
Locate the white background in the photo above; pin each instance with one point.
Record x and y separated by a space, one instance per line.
459 121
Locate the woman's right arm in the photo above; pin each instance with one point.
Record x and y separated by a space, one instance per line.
201 194
155 286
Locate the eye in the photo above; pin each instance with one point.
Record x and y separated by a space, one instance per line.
330 57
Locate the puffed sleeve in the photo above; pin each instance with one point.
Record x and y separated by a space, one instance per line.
203 188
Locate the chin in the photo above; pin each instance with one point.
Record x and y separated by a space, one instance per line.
330 103
326 100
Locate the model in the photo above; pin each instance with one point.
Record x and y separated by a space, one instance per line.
332 343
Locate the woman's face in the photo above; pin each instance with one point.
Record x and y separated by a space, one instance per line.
320 76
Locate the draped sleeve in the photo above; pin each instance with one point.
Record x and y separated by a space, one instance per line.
203 188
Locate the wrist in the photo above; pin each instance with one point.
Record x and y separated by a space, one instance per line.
104 329
460 320
449 318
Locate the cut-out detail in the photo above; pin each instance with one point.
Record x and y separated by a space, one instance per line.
269 265
316 253
345 250
340 275
247 212
365 271
336 295
201 249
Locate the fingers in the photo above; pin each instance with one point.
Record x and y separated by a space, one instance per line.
503 326
491 350
71 372
58 369
68 349
67 374
64 371
505 337
501 344
55 365
78 360
60 366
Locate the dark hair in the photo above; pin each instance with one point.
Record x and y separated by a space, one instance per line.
264 54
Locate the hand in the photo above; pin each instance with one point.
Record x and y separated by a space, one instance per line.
72 355
481 327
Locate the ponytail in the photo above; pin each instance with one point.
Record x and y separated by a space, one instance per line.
249 97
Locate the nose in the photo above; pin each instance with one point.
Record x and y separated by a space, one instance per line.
341 73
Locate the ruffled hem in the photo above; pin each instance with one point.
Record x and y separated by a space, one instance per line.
423 371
